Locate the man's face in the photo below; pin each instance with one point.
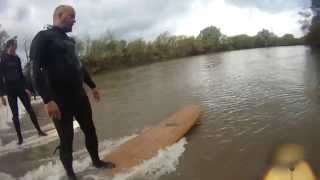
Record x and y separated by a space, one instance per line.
13 47
68 18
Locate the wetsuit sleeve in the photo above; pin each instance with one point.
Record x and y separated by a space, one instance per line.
23 80
2 88
39 55
87 78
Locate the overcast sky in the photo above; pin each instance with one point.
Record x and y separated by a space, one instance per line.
130 19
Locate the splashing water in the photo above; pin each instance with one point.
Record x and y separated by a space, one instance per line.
165 162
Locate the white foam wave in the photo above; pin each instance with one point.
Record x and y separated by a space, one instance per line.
165 162
5 176
53 170
32 141
4 117
46 127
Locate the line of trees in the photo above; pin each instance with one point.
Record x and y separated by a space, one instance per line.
109 53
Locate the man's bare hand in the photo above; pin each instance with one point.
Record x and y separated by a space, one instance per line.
96 94
53 110
3 100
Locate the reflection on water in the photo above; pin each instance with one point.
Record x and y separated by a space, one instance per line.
253 100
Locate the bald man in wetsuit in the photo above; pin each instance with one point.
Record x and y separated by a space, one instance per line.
59 77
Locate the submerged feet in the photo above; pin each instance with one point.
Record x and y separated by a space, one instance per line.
72 176
103 164
20 141
41 133
98 164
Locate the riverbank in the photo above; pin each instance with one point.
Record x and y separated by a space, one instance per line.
108 53
97 67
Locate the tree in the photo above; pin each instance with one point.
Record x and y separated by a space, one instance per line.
265 38
3 37
136 52
287 39
242 42
163 44
210 36
305 20
210 33
313 36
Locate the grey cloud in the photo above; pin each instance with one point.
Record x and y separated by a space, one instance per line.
3 5
22 13
126 18
271 6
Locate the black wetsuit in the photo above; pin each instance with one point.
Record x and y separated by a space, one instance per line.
59 77
13 84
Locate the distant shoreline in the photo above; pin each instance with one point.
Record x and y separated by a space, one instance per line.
106 68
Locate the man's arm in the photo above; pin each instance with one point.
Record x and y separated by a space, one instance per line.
87 78
39 56
23 80
2 84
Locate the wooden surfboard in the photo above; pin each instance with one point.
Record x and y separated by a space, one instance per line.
146 145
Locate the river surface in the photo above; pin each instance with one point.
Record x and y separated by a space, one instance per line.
252 101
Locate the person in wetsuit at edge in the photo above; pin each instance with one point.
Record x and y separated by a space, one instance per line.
12 83
59 77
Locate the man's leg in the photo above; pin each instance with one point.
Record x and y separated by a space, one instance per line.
64 128
83 114
13 103
26 103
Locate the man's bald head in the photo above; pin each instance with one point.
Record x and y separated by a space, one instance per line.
64 17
